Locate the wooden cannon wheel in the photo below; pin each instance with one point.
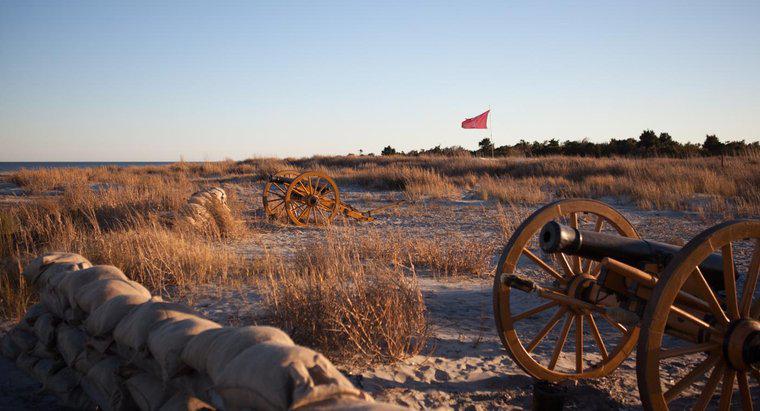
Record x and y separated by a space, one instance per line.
567 273
273 196
728 343
312 198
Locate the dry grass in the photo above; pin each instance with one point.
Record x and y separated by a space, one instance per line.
332 299
125 224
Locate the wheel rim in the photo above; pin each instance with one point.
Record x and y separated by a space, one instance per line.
716 358
523 349
273 196
312 198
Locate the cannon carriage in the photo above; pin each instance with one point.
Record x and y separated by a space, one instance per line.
580 264
309 198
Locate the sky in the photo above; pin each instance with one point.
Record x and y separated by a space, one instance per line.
160 80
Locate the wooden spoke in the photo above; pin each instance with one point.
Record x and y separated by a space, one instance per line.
690 378
543 265
712 300
614 323
561 341
694 320
693 349
599 223
727 390
533 311
547 328
751 282
579 343
596 270
745 395
566 265
597 336
729 279
712 383
576 260
305 210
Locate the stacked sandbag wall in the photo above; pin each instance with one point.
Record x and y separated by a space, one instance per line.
203 206
99 340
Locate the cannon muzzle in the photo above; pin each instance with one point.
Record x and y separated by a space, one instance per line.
559 238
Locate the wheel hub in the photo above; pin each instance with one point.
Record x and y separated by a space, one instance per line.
578 288
312 200
741 344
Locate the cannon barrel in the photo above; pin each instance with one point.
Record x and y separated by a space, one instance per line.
560 238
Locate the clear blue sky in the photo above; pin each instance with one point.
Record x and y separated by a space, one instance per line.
208 80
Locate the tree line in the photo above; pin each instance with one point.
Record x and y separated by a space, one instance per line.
649 144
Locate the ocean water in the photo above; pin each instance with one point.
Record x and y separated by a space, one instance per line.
11 166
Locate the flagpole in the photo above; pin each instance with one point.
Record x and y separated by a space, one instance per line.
490 129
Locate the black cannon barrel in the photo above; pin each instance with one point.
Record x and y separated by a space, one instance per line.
556 237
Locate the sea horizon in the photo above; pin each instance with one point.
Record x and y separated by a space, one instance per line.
18 165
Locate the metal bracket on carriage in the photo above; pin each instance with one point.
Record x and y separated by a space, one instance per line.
523 284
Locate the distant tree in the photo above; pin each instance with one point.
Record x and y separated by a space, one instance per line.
486 146
388 151
648 140
712 146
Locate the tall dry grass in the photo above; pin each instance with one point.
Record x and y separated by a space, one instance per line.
335 300
129 225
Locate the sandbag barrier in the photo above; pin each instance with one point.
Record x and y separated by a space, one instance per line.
99 340
199 208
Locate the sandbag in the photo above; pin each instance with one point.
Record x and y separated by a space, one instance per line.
199 385
36 267
92 295
147 391
44 329
106 388
196 350
19 341
194 213
9 347
55 303
46 368
351 404
31 315
103 319
208 195
26 362
65 386
70 342
167 341
228 345
184 402
41 351
74 281
132 331
87 359
276 376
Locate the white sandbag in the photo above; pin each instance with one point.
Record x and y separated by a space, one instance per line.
70 342
167 341
277 376
44 329
184 402
65 386
106 388
74 281
20 341
55 303
46 368
36 267
41 351
103 319
132 331
87 360
9 347
228 345
196 350
26 362
92 295
31 315
194 213
148 392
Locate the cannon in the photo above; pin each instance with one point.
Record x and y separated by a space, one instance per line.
309 198
692 313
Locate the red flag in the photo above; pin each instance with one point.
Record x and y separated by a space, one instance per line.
477 122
